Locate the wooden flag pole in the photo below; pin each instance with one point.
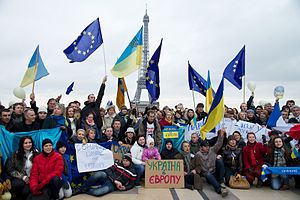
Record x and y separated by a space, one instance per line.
194 98
104 59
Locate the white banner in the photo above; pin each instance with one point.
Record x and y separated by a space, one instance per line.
246 127
93 157
190 129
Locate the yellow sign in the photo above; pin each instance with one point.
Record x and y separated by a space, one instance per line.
173 134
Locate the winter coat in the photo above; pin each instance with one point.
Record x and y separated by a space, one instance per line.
259 150
53 121
169 154
44 168
120 173
93 107
107 121
137 153
150 154
16 168
206 162
233 158
157 132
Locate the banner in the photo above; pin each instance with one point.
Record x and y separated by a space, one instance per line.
245 127
278 170
164 174
119 151
93 157
174 133
190 129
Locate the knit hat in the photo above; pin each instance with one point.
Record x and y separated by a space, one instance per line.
46 141
149 140
123 107
250 110
168 141
59 145
42 109
109 105
127 156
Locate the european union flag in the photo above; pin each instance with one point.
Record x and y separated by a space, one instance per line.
196 81
70 89
235 70
86 43
152 75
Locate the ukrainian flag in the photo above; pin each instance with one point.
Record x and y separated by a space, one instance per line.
209 93
122 88
216 112
130 59
36 69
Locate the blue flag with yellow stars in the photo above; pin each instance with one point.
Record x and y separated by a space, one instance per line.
70 89
86 43
235 70
152 75
196 81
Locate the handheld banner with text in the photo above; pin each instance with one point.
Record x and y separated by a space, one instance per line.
119 151
93 157
174 133
164 174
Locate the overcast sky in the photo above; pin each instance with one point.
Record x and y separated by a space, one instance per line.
207 33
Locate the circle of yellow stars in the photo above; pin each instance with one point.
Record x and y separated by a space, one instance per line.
147 77
234 68
89 34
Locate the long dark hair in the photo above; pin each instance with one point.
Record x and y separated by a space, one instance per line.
21 152
272 150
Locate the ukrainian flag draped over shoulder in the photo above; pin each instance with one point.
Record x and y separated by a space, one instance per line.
36 69
130 59
216 112
122 88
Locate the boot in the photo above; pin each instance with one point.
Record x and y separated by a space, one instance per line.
198 183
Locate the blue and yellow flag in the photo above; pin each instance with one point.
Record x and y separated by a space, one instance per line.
130 59
120 100
209 93
36 69
196 81
216 112
86 43
235 70
152 75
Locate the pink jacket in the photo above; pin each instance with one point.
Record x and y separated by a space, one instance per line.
149 154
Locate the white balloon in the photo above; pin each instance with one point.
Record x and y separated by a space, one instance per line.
251 86
262 102
278 92
19 93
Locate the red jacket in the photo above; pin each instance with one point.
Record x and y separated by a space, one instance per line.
44 168
259 150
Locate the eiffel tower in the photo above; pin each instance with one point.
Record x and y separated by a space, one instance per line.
141 82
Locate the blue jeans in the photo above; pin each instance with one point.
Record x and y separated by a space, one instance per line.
140 170
101 181
216 178
278 181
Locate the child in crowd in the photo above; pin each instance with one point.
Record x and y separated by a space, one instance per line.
66 190
151 152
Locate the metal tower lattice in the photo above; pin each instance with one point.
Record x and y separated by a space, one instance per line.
141 83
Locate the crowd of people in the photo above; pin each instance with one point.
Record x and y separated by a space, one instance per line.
47 175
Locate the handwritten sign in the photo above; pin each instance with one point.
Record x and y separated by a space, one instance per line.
164 174
119 151
93 157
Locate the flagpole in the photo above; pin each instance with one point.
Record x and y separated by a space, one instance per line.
193 98
244 89
104 59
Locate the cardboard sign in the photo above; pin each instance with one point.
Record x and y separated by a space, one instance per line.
164 174
119 151
93 157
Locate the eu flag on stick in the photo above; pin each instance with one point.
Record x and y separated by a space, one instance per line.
152 75
235 70
36 69
70 89
196 81
86 43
